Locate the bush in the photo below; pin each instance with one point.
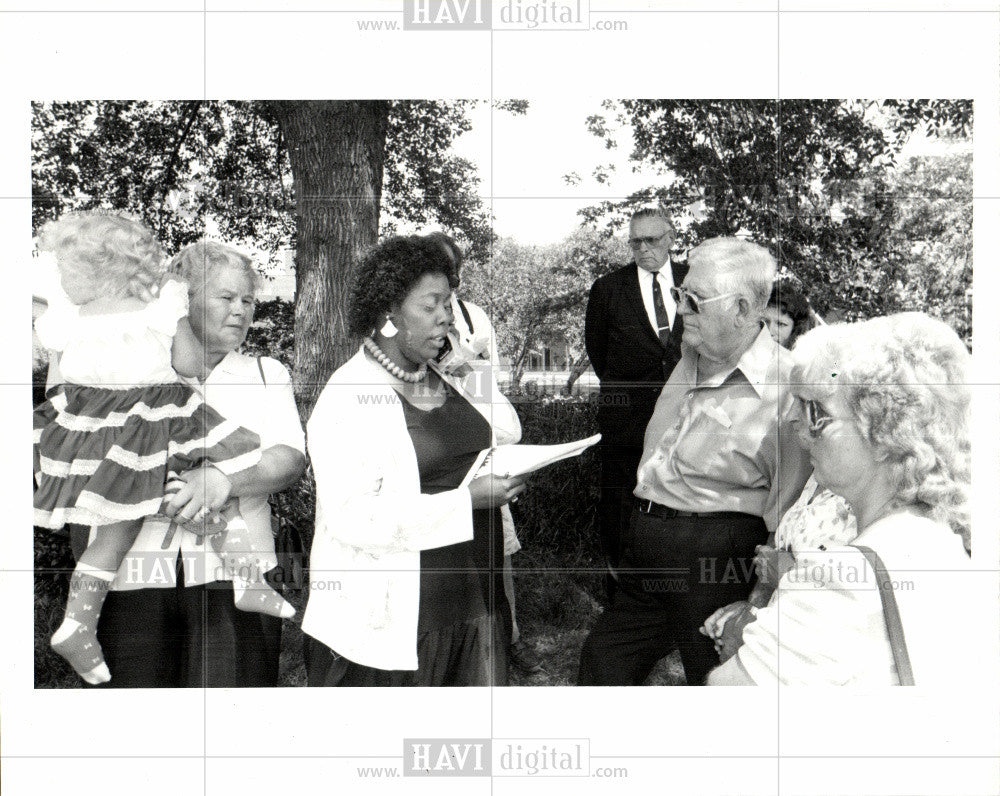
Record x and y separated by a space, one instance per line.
559 573
272 332
53 565
555 519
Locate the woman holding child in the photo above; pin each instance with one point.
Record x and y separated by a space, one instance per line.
179 612
186 632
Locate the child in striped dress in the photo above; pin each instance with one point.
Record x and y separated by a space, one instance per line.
124 420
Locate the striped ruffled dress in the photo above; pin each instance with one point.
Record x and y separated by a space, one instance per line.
103 446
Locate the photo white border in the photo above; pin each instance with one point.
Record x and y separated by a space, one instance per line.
943 53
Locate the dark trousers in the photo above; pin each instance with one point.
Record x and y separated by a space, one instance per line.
618 470
674 574
187 637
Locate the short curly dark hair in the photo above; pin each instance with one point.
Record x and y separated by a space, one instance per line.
389 271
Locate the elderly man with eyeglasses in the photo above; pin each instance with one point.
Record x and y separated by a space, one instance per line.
633 336
719 467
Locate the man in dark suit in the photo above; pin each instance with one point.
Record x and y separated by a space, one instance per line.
633 336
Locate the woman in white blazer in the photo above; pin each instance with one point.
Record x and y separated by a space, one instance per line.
405 560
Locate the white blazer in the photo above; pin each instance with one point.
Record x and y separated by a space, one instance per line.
372 520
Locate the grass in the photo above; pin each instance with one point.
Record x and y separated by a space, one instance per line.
555 611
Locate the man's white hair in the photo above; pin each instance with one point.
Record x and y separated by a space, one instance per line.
744 268
654 211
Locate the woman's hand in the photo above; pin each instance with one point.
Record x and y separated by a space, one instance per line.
716 622
725 628
772 564
205 490
490 491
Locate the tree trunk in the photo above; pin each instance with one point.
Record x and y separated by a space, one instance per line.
337 151
517 371
576 371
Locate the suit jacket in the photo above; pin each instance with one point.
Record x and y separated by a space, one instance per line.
628 357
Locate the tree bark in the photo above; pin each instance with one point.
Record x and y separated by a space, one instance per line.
337 153
517 371
576 371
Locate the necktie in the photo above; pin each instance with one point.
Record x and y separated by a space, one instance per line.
662 319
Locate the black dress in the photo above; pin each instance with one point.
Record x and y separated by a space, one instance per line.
462 630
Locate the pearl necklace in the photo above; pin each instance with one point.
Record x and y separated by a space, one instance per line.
418 375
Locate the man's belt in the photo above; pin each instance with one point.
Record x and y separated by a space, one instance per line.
662 512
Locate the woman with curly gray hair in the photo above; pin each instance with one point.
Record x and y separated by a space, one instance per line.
884 414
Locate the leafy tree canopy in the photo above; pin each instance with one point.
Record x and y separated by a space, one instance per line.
811 179
175 163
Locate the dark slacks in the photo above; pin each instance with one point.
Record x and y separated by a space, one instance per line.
674 573
618 471
187 637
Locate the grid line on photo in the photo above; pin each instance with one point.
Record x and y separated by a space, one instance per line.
777 82
492 205
525 197
204 605
592 757
736 9
983 384
532 571
204 11
204 698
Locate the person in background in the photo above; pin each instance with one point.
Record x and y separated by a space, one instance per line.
719 468
473 343
788 314
633 337
884 411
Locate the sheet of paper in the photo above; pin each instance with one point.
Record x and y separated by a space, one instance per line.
509 460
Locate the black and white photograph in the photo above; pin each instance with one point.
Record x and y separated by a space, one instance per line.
625 385
867 204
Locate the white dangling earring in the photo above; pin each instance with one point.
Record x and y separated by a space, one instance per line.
388 328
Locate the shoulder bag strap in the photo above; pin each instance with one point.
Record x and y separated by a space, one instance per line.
891 613
465 314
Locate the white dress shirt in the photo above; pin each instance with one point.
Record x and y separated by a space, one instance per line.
665 276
